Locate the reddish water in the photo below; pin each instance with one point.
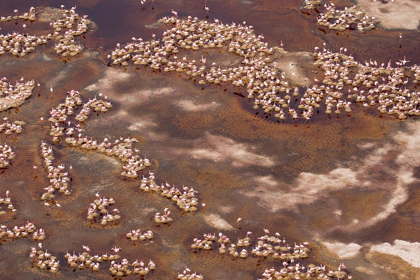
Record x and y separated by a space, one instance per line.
322 181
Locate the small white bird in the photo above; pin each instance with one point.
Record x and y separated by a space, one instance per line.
86 248
115 249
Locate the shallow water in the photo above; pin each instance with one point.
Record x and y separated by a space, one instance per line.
335 179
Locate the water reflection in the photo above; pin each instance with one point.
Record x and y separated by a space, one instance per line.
347 185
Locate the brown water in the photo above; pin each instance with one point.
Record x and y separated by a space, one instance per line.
333 179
